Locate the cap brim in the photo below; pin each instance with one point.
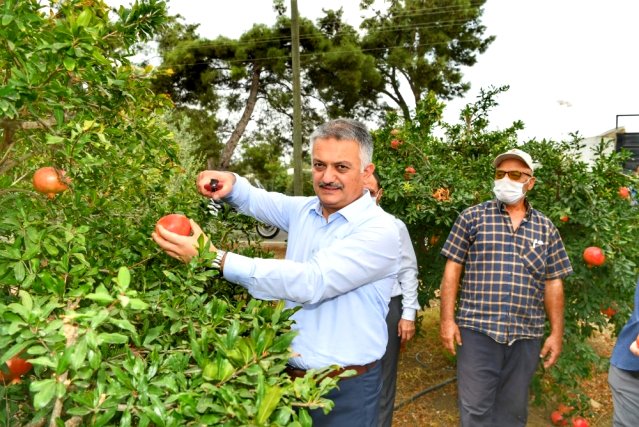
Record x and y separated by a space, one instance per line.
507 156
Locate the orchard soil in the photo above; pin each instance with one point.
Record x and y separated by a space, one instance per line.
427 389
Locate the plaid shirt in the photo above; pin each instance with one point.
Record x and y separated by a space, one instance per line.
502 292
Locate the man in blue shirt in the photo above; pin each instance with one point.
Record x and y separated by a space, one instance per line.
623 375
342 260
402 311
514 263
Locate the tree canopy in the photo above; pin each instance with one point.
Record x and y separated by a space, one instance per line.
419 45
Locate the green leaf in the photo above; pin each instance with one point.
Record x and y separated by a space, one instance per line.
20 310
124 278
6 19
100 58
44 361
69 63
101 295
137 304
84 19
54 139
45 391
272 397
104 418
19 272
123 324
99 318
304 417
27 301
218 370
282 342
112 339
58 113
152 334
79 354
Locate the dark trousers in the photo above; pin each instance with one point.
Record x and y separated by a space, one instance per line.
389 363
356 402
493 380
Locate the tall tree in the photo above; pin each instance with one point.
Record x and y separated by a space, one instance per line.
422 44
233 75
419 44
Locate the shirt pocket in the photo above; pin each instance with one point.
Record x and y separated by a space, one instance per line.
534 259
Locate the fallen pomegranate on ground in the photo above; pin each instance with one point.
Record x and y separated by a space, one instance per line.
580 422
175 223
557 418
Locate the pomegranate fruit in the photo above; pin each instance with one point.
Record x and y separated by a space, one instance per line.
557 418
624 192
16 367
594 256
580 422
175 223
609 312
50 181
409 172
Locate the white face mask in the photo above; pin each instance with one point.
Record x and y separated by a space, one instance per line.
509 192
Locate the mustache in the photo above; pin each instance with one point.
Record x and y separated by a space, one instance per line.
330 185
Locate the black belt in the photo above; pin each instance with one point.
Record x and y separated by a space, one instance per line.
359 369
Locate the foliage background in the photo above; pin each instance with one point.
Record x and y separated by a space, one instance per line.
119 333
454 171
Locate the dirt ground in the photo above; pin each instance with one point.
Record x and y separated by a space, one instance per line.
427 390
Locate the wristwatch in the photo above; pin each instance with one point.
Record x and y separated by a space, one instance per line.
217 262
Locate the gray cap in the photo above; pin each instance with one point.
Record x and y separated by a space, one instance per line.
515 153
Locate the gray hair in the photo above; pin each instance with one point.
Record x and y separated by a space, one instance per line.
347 130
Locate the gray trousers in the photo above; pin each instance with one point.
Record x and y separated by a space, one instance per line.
625 397
389 363
493 380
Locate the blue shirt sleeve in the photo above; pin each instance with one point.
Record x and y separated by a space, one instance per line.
362 258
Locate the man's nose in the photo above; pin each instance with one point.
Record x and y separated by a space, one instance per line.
329 174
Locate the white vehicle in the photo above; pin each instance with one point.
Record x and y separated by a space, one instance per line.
265 231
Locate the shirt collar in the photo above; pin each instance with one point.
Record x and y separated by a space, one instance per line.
502 207
349 212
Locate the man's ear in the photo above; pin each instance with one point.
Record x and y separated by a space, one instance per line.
368 171
531 183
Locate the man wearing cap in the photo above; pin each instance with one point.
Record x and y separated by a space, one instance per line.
514 263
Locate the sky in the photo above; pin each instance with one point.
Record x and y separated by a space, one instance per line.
572 65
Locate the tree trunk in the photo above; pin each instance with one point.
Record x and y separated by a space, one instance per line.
234 139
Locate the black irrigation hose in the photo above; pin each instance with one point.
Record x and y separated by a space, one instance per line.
423 392
426 390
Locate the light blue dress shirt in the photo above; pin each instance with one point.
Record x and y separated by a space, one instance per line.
341 271
407 282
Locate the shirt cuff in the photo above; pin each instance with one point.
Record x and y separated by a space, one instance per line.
235 267
409 314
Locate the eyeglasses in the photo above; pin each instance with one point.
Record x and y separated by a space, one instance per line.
514 175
